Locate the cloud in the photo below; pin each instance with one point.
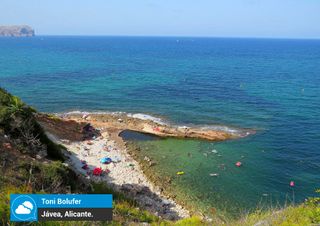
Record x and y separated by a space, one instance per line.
28 205
22 210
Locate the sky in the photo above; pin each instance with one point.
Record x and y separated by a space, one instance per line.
208 18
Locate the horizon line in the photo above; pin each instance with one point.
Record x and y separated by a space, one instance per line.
178 36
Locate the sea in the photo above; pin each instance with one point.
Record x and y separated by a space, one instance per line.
271 86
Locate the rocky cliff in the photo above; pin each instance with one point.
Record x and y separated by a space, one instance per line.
16 31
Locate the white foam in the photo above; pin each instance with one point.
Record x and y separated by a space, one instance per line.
231 130
184 127
146 117
91 112
222 128
132 115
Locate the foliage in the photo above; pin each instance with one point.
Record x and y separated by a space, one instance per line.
192 221
18 121
307 213
126 212
5 200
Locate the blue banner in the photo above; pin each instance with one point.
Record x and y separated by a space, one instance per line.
34 207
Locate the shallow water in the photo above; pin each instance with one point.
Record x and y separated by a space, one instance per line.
272 86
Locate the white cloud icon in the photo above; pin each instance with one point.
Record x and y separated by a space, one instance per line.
22 210
28 205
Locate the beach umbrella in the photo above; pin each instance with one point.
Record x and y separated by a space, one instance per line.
106 160
97 171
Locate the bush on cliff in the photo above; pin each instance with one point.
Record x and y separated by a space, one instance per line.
17 121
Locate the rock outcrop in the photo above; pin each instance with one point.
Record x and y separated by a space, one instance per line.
16 31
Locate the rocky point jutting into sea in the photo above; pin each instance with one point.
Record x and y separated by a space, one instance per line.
17 31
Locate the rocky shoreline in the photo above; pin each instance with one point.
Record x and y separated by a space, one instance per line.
124 173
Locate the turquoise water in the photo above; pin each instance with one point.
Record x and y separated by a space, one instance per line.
272 86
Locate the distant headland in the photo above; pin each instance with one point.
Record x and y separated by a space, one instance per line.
17 31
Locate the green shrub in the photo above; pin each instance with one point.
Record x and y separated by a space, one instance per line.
131 213
5 200
17 120
192 221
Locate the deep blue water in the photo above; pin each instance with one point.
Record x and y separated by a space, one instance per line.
269 85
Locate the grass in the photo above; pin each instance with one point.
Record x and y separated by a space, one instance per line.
303 214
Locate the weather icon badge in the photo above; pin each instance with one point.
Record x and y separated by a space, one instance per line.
22 208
